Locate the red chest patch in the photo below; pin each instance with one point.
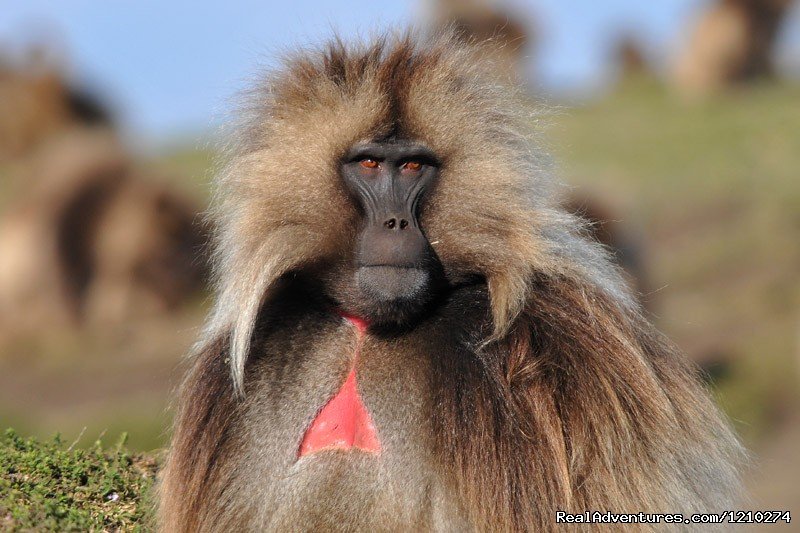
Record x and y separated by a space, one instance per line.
344 423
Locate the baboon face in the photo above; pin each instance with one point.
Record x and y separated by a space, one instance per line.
389 177
397 273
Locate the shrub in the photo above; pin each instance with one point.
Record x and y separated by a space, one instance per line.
47 486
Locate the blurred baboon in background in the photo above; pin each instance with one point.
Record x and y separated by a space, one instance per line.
148 252
630 58
410 332
625 246
36 101
731 43
86 235
92 237
484 21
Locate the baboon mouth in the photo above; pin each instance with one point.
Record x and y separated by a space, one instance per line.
391 283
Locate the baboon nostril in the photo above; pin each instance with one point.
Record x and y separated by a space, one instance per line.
403 223
391 223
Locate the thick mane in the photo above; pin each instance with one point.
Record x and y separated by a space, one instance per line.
302 117
543 389
588 408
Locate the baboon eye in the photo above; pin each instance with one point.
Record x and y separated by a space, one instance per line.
412 166
369 163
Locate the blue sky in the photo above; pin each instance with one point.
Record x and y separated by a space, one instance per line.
172 67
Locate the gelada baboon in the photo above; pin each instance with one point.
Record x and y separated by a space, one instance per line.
91 237
732 42
410 335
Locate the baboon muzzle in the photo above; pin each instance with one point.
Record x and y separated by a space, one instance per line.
392 239
396 266
393 257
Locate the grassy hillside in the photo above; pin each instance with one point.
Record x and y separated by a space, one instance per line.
713 188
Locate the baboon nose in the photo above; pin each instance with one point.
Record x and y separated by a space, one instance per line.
396 224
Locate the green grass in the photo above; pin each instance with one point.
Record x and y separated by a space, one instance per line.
49 486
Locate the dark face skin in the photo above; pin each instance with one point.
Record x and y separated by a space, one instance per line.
397 273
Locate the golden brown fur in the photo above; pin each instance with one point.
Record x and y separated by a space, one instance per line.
535 389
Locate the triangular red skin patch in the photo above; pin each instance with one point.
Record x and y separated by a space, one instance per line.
344 423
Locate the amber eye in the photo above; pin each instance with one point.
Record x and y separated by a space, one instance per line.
413 166
369 163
